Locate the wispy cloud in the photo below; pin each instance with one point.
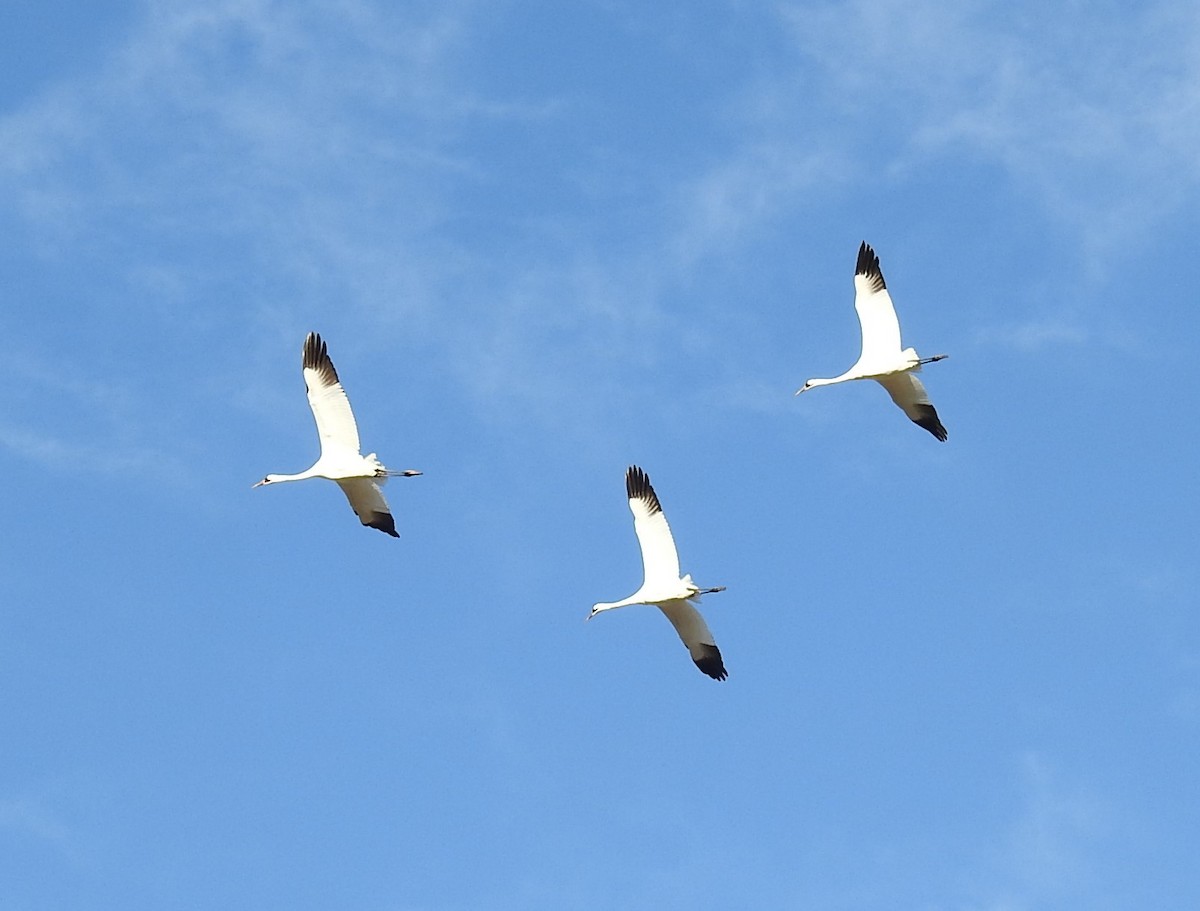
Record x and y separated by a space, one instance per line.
1050 852
228 111
1050 847
753 185
1096 124
64 454
1064 332
1035 335
29 817
61 417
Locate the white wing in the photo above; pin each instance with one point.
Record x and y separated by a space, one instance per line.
327 399
660 559
366 499
876 313
695 635
909 393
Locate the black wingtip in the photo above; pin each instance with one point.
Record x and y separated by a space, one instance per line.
637 487
316 357
868 265
928 419
314 351
710 663
383 521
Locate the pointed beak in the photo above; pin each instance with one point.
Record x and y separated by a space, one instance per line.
259 484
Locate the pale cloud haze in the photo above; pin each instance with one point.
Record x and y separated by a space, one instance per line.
545 242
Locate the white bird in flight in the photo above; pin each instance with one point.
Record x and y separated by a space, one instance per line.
341 459
881 358
662 585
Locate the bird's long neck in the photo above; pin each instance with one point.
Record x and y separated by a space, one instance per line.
601 606
831 380
304 475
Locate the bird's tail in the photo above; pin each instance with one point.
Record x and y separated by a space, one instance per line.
910 354
382 472
697 591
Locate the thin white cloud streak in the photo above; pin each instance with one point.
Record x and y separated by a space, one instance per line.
1050 850
1051 853
1063 333
32 375
319 137
110 457
56 813
1097 123
50 397
1034 335
740 194
241 112
1054 848
28 817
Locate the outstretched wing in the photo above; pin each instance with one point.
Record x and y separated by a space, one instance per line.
327 398
695 635
366 499
876 313
909 393
660 559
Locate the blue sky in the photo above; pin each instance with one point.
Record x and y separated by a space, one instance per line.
546 241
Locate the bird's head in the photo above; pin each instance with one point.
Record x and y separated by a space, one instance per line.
596 608
410 473
808 384
269 479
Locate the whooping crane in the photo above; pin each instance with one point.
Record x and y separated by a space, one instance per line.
662 585
881 358
341 460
